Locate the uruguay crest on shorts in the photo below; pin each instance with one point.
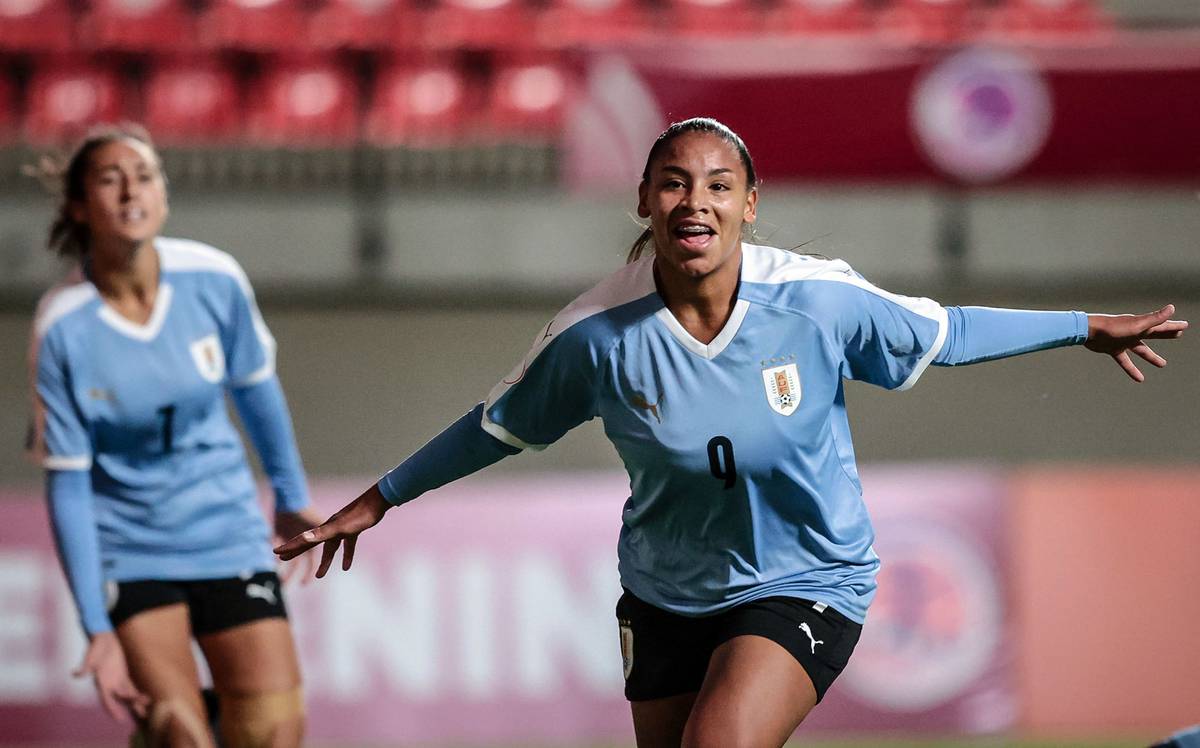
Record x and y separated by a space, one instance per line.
783 388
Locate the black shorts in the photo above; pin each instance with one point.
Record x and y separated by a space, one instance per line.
666 654
213 604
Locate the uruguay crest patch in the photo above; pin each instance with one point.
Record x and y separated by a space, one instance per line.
209 358
783 388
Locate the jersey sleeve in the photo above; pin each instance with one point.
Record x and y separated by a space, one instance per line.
73 522
552 390
979 334
248 344
883 338
59 437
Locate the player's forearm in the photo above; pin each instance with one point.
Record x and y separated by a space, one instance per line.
73 520
264 412
977 334
463 448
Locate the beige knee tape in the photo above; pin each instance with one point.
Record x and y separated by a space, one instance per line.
251 720
156 730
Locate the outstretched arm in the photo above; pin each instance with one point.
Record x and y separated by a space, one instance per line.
1119 335
463 448
976 334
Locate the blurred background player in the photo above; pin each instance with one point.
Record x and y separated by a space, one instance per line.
746 552
153 505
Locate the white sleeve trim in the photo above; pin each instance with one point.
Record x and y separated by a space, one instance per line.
57 462
927 308
943 320
507 437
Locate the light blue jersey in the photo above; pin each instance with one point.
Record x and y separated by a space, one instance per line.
743 482
141 409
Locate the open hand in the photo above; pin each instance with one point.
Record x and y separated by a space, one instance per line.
1118 335
105 660
288 525
360 514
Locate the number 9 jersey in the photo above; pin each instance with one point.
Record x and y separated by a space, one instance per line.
142 407
743 482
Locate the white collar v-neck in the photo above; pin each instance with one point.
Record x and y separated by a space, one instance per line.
719 343
149 331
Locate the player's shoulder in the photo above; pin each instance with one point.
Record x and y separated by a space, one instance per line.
190 257
609 307
62 303
774 266
782 278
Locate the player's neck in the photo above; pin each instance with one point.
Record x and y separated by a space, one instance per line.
126 277
701 305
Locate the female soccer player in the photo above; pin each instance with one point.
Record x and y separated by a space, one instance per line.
717 367
152 502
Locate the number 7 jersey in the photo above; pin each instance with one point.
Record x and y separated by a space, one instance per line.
742 476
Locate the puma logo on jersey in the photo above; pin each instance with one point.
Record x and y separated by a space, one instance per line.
640 401
812 639
265 592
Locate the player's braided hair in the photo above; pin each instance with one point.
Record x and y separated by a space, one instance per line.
695 124
62 175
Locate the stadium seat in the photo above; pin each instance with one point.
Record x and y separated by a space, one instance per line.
138 25
585 23
479 24
820 17
1032 19
929 21
364 25
714 17
66 98
422 105
36 26
188 102
255 25
528 100
311 102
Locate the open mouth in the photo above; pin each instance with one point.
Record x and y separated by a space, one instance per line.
693 235
133 215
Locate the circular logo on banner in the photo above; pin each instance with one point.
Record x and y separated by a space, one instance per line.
934 626
981 115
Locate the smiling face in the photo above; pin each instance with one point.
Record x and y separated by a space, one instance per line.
124 200
697 198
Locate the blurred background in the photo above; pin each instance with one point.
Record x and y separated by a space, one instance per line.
416 186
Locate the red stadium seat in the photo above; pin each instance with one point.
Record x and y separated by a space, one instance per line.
425 105
1047 18
479 24
528 100
189 102
820 17
714 17
364 24
138 25
584 23
65 99
313 103
929 21
35 26
255 25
